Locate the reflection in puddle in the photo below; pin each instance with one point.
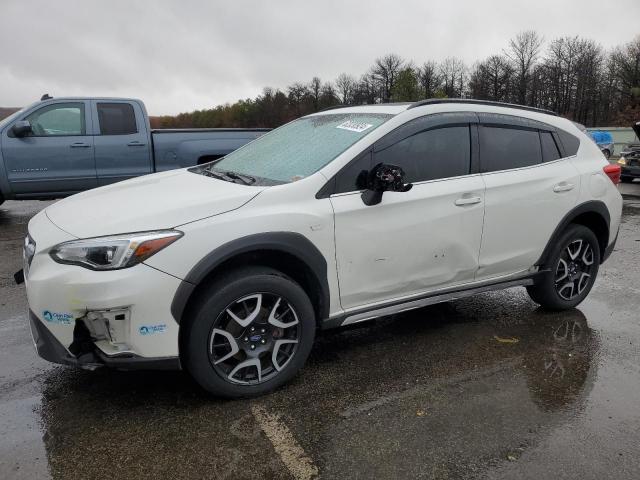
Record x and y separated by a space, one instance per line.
397 397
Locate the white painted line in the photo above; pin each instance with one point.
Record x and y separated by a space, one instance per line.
284 443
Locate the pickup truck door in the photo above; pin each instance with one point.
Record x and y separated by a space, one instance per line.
121 139
57 157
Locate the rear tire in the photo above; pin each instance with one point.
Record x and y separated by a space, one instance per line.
249 333
606 153
573 267
626 179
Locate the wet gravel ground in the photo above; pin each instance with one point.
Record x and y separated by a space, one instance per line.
485 387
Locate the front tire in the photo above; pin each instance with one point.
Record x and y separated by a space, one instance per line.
249 333
573 267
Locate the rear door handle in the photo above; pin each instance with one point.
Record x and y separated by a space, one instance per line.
80 145
563 187
135 144
462 201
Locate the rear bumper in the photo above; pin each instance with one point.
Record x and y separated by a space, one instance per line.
49 348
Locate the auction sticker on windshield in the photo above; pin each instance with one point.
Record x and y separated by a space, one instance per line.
354 126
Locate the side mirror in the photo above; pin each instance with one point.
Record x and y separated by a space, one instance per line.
22 128
381 179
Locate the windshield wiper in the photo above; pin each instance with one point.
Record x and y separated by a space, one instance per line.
246 179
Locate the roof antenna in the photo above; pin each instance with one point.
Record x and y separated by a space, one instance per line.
46 96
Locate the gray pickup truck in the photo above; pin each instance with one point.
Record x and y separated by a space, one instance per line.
58 147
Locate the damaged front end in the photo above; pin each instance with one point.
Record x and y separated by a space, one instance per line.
105 328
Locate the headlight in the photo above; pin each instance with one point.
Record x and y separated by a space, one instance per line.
113 252
622 161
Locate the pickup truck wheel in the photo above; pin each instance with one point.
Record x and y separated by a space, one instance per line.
250 333
573 268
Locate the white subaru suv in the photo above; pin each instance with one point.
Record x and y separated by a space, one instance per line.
228 269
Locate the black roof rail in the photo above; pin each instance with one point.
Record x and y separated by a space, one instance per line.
472 101
333 107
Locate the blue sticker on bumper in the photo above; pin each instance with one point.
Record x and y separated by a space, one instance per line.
151 329
59 318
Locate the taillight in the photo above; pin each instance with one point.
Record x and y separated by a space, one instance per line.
613 172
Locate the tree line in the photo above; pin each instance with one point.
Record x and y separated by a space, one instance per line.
572 76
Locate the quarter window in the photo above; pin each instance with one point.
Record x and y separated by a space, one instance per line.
117 119
60 119
432 154
505 148
569 142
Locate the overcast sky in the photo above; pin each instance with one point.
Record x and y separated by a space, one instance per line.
181 55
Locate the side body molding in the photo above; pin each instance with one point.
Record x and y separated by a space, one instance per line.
290 243
591 207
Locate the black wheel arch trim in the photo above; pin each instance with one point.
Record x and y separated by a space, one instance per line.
592 206
291 243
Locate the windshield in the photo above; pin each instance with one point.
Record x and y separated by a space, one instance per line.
297 149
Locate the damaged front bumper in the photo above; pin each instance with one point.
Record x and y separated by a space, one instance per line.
84 354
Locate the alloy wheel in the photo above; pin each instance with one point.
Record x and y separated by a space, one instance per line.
575 269
254 338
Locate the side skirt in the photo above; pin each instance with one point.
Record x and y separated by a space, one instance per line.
393 308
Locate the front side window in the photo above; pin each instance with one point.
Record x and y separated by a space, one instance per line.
60 119
504 148
429 155
295 150
116 119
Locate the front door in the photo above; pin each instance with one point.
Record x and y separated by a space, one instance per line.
57 157
415 241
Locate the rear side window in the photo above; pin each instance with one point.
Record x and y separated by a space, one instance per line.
550 150
432 154
569 142
117 119
506 148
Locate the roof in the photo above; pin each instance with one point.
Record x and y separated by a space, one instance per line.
389 108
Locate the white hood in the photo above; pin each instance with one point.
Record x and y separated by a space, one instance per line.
153 202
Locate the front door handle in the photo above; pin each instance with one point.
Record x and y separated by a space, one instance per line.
462 201
563 187
135 144
80 145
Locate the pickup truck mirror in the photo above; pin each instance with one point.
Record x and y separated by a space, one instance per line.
21 128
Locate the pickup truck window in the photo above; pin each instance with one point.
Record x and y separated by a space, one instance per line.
59 119
299 148
116 119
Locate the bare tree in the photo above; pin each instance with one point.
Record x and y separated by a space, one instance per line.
345 84
315 88
429 79
523 52
453 73
384 72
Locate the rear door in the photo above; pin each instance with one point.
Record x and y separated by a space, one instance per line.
529 189
414 241
57 157
121 141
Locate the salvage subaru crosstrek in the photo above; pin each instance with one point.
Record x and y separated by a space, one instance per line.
228 269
